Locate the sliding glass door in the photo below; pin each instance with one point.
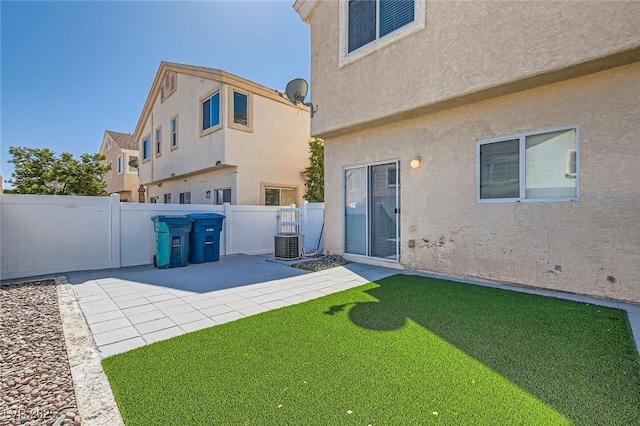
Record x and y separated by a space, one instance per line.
372 209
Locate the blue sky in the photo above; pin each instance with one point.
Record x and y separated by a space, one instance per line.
71 70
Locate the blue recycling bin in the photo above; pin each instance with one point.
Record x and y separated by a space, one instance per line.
172 240
205 237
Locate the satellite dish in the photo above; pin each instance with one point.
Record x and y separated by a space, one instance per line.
133 163
296 91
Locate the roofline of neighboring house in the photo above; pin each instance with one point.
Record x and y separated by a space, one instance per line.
617 59
305 8
106 133
189 174
209 74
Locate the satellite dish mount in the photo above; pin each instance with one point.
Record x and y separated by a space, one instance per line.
296 91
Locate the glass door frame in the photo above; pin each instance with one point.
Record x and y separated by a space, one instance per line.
368 230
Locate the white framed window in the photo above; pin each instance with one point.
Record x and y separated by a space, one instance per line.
174 132
240 110
368 25
131 168
153 200
279 196
222 195
146 148
185 198
534 166
120 164
158 142
167 198
210 117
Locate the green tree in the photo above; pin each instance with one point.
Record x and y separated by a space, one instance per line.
41 171
314 174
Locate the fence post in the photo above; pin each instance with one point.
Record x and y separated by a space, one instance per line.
303 221
225 228
115 230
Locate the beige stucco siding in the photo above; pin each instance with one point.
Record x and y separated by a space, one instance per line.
273 148
275 152
590 246
193 152
469 50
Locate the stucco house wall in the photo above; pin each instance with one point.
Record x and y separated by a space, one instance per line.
125 183
462 51
273 148
478 71
573 246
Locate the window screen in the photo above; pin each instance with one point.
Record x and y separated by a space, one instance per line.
395 14
362 23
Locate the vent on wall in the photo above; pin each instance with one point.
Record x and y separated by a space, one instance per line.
288 246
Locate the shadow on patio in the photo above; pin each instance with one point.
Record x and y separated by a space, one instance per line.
230 271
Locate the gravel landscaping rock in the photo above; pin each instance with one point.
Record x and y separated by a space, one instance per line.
35 376
319 263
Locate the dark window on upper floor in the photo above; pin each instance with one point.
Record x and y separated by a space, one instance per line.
364 25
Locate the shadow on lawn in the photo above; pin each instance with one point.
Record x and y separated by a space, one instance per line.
564 353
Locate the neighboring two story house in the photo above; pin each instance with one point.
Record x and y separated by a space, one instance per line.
119 149
488 139
209 137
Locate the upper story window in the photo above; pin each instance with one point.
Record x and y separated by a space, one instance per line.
174 132
120 164
240 105
364 25
536 166
167 198
368 25
210 112
132 159
158 141
146 148
240 110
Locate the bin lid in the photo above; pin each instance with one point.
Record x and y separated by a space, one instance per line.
206 216
172 219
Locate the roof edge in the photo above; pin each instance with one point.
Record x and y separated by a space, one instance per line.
305 8
210 74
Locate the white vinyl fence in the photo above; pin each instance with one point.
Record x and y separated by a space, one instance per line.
45 234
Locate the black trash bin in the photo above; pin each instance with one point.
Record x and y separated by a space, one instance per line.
205 237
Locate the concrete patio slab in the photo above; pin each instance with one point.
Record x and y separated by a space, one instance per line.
130 307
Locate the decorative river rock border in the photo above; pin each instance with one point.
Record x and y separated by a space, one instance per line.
35 376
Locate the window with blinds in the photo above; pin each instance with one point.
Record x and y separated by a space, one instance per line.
364 25
532 166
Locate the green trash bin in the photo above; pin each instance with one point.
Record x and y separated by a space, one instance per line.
172 241
204 244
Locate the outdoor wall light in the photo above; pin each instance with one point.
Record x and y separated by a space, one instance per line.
415 163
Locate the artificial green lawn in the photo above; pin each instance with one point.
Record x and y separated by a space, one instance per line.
404 350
